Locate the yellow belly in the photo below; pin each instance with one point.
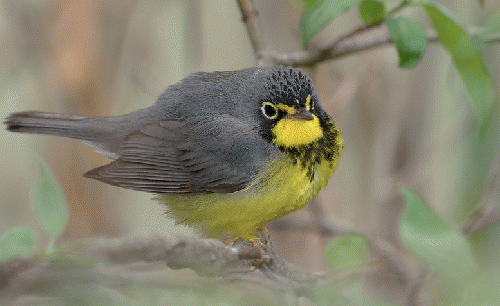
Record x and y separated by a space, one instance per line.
281 188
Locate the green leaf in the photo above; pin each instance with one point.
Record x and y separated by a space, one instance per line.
17 241
372 11
317 14
347 252
466 58
433 241
49 206
410 39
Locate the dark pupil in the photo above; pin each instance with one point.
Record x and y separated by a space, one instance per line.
270 111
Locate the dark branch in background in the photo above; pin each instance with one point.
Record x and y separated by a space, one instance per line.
250 18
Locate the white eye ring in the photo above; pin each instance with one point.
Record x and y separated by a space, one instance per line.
269 110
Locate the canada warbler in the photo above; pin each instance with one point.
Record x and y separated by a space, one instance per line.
226 152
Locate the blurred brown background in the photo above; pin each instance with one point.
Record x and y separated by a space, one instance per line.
111 57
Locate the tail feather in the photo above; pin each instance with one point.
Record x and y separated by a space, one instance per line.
90 130
46 123
105 133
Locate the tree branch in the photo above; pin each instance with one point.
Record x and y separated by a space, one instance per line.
250 18
361 39
109 260
207 257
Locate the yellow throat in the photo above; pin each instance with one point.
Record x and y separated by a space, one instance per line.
291 132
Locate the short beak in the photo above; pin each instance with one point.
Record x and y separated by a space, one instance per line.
302 114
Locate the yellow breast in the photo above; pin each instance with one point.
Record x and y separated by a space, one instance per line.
281 188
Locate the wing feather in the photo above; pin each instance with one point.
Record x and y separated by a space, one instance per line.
195 156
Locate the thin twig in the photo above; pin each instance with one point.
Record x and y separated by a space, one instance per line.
360 39
250 18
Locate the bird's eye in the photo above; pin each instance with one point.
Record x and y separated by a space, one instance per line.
269 110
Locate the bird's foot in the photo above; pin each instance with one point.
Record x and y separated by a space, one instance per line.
261 239
252 248
230 240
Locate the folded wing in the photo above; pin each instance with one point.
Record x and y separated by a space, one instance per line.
188 156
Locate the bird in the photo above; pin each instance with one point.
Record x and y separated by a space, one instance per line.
226 152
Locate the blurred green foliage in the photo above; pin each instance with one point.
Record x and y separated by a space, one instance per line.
49 206
410 39
467 60
317 14
347 252
372 11
16 242
51 212
433 241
